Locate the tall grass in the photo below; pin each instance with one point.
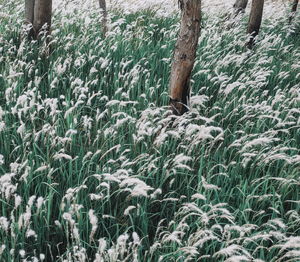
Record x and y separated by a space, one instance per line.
95 168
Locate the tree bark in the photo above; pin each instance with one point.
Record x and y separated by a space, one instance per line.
255 20
42 16
29 11
29 15
184 55
102 4
294 9
240 6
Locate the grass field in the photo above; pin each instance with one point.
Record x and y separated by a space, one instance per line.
95 168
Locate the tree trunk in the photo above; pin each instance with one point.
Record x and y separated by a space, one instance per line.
29 11
29 15
255 20
240 6
294 9
38 13
102 4
184 55
42 16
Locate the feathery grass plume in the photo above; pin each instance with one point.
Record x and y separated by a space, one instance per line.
94 167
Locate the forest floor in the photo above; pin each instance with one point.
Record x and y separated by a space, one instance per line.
94 167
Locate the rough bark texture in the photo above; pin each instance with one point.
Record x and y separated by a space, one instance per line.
184 55
42 15
102 4
294 9
255 20
240 6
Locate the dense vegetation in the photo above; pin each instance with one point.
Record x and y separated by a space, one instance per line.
94 167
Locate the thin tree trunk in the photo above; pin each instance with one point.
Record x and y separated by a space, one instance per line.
294 9
240 6
42 16
102 4
255 20
184 55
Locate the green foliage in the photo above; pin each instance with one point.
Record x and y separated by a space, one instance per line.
93 166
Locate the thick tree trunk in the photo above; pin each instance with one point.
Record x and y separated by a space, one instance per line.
184 55
38 13
29 11
102 4
42 16
29 15
255 20
240 6
294 9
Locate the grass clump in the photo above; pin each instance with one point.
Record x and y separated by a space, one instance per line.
94 168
